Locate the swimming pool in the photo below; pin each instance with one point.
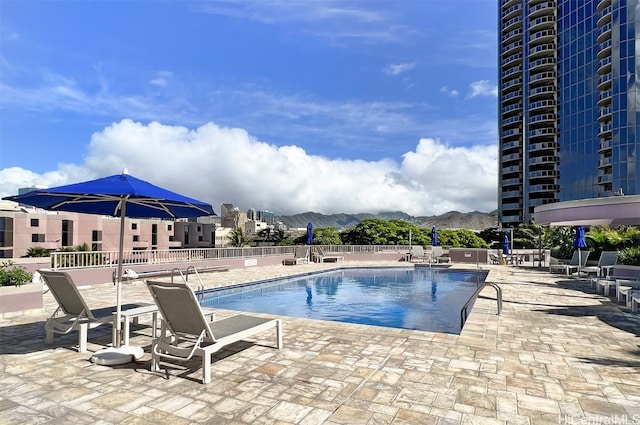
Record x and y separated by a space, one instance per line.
421 298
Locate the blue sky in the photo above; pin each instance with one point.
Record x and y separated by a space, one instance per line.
285 105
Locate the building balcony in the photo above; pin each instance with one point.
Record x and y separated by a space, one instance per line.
512 85
511 194
604 146
604 66
543 36
604 82
140 245
605 162
543 174
505 4
542 104
511 133
603 4
541 50
543 77
510 12
605 131
511 218
543 63
514 70
604 49
543 119
605 114
512 206
515 59
513 23
508 122
512 97
542 146
510 157
544 188
605 178
543 91
544 22
545 133
542 9
604 33
515 181
605 16
604 98
549 159
510 145
510 170
511 108
514 47
511 35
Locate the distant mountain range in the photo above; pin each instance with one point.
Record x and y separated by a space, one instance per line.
452 220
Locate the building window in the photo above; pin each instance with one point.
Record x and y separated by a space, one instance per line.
169 227
134 226
37 237
200 238
35 222
136 238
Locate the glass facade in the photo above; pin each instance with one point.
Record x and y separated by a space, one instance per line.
568 105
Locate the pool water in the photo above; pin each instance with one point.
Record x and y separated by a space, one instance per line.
421 298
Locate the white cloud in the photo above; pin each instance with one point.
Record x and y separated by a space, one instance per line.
162 78
482 88
450 92
218 165
397 69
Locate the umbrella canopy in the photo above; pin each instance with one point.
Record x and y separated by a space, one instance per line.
120 195
505 245
579 241
309 234
434 236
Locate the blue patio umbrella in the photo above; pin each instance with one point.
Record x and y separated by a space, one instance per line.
579 243
120 195
505 245
309 234
434 236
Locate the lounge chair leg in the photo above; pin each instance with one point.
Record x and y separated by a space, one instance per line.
206 368
82 337
279 333
48 339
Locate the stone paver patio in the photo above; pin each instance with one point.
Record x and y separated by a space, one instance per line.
558 354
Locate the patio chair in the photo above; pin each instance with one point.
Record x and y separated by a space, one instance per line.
73 313
300 255
190 334
439 255
321 257
578 261
607 260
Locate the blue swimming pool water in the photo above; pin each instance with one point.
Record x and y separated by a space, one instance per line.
421 298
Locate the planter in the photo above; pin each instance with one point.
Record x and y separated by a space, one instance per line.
23 299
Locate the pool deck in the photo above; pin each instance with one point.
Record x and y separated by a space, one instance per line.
558 354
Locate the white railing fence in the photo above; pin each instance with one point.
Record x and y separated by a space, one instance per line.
65 260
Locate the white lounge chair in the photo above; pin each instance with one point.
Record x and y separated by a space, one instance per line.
73 313
321 257
439 256
419 255
300 255
578 262
190 334
607 260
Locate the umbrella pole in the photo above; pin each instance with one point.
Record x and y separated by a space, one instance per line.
119 277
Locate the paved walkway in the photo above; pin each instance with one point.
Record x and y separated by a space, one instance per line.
559 354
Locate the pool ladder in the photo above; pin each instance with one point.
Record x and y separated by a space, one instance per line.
185 278
464 313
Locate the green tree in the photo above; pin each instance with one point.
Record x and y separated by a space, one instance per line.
461 238
326 236
376 231
237 238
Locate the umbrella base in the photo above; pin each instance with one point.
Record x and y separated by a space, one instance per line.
115 356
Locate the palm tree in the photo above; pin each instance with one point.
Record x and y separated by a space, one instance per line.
237 238
38 251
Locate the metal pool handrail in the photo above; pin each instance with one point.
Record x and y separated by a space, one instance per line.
463 311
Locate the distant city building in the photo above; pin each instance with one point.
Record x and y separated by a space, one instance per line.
569 126
251 214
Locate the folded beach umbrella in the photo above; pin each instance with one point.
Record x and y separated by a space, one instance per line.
434 236
579 243
505 245
310 234
120 195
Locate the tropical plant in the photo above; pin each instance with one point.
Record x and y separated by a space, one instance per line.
461 238
326 236
376 231
38 251
560 240
630 256
12 274
237 238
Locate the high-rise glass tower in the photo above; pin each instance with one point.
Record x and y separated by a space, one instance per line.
569 105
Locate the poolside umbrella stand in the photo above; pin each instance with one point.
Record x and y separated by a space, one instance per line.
120 195
579 243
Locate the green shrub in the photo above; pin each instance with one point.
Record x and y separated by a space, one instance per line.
630 256
12 274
